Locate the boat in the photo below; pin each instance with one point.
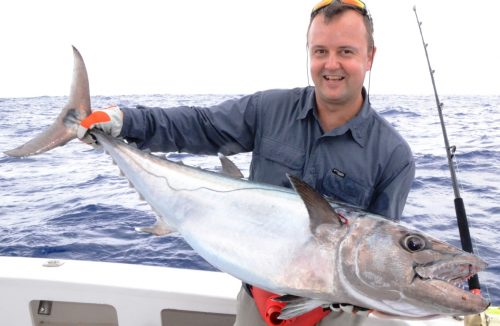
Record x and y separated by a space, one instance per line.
37 291
50 292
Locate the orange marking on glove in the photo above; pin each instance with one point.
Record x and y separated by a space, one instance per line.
95 117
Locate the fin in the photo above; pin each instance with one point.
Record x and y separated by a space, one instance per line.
64 128
159 228
320 211
229 168
296 306
286 298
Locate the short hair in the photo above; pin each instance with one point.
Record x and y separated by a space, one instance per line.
336 8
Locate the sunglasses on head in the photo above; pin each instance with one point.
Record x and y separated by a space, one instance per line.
354 3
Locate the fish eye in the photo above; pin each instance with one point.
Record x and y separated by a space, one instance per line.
413 243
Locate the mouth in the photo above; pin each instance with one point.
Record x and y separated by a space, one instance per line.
442 283
453 273
333 77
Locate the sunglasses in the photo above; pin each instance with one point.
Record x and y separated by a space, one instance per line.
354 3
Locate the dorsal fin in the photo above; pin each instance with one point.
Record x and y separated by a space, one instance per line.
320 211
229 168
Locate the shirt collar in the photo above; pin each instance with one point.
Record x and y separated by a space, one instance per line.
358 126
309 103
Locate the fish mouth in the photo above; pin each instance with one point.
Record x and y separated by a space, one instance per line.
455 273
442 283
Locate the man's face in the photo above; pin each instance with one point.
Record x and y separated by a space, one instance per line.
339 57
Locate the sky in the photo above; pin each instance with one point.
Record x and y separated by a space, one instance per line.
235 47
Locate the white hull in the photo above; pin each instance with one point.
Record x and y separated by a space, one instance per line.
119 294
105 294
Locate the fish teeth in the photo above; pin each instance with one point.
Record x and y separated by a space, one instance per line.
455 274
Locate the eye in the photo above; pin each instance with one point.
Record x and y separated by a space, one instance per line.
319 52
346 51
413 243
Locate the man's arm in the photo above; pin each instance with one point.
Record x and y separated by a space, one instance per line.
227 127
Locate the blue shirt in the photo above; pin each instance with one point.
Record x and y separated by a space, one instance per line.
364 162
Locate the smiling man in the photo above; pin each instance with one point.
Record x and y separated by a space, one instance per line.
327 135
341 50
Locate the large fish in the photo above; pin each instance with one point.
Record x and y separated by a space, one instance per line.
290 242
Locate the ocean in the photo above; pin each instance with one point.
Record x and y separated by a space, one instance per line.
71 203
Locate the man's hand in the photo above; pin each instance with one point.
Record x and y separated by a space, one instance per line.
109 120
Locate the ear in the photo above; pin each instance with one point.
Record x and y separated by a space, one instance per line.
371 57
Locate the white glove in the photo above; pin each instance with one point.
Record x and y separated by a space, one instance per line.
109 120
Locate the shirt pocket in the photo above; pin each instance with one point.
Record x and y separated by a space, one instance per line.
282 154
273 160
347 189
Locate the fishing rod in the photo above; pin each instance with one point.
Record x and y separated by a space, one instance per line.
463 225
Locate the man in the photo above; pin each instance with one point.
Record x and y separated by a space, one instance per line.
328 134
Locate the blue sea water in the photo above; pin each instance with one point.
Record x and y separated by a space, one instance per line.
71 203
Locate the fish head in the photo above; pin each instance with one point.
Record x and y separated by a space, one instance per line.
410 273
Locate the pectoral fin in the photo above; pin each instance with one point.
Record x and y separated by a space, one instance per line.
296 306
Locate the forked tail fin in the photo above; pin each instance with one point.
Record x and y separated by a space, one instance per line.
64 127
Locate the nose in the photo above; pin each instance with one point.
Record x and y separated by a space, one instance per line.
332 62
